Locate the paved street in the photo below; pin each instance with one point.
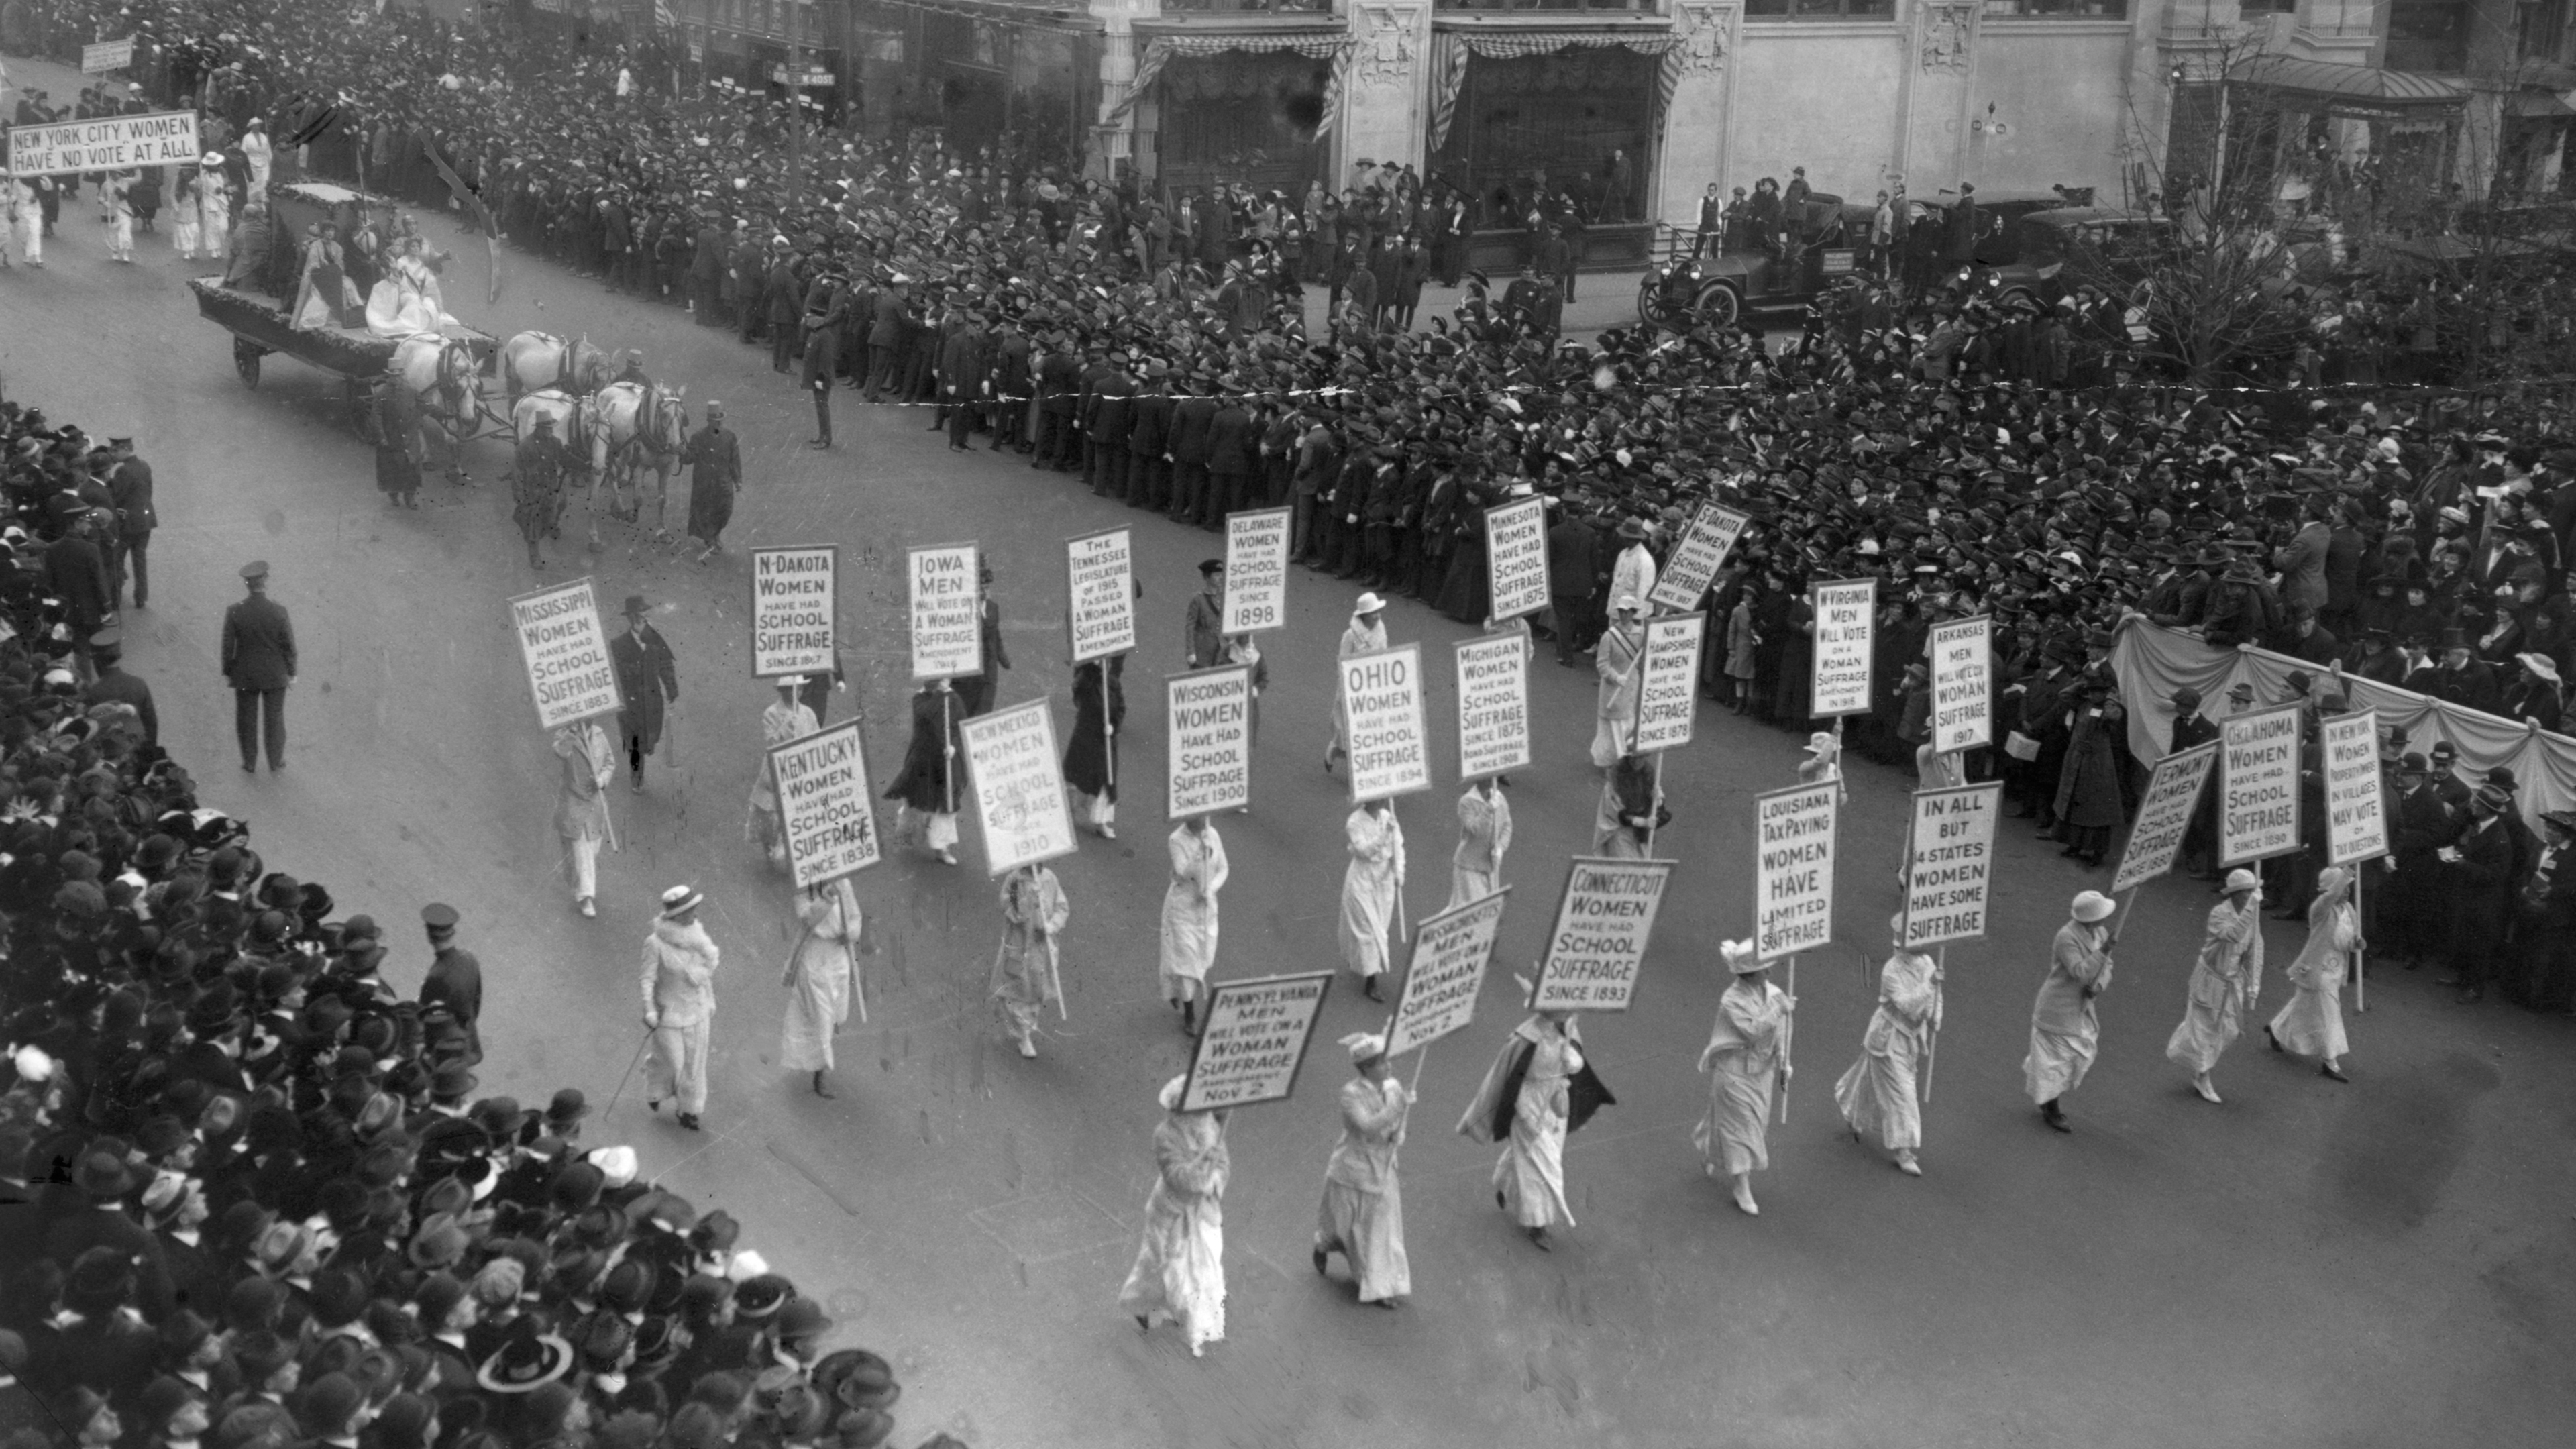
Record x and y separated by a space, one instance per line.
2384 1263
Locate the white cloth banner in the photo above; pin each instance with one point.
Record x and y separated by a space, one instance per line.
105 143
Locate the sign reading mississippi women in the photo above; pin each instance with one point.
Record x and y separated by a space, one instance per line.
566 653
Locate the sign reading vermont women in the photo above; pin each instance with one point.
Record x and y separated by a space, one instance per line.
793 599
823 804
566 653
2164 816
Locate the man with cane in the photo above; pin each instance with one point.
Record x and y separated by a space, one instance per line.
581 805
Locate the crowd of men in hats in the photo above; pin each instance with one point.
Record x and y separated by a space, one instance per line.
253 1197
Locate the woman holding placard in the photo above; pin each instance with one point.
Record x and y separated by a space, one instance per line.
1362 1217
1034 912
1188 939
927 783
1539 1088
1747 1060
1484 834
1877 1095
2311 1024
1371 884
822 979
1091 753
1179 1276
2224 979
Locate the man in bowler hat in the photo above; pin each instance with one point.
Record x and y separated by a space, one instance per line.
646 681
259 663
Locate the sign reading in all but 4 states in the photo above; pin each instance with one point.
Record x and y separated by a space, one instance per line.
1949 863
794 599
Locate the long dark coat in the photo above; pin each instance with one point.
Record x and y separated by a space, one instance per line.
1091 753
923 784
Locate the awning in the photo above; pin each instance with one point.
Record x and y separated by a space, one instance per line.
1451 48
2537 106
1163 49
1070 17
2362 88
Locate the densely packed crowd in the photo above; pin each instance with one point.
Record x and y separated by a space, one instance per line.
253 1197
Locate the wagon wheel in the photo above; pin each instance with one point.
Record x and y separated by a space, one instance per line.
246 355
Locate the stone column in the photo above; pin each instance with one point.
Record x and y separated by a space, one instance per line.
1697 131
1113 142
1386 93
1932 149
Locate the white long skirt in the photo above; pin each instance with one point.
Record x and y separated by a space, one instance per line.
1179 1276
2311 1022
1369 1229
1530 1174
1734 1136
2057 1062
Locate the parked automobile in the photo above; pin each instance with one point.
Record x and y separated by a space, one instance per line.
2047 254
1822 249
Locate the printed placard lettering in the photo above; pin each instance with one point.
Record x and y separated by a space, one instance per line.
1949 863
2356 811
1254 1039
824 805
1256 571
1019 786
2258 802
1516 557
101 56
1668 682
1447 969
1603 922
106 143
947 597
1793 870
1963 684
1846 623
795 597
566 653
1382 699
1207 718
1100 594
1697 556
2164 815
1493 706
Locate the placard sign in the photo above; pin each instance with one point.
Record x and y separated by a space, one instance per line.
2356 811
1208 720
1963 684
1516 557
1382 699
947 637
1254 1039
794 602
1697 556
1949 863
101 56
105 143
1846 620
1100 594
566 653
1793 877
1668 684
1446 970
1493 706
1602 923
1256 571
2258 803
2164 815
1019 786
824 805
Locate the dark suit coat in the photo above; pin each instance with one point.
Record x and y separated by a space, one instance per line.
1060 383
783 296
1149 424
117 686
707 263
1191 420
961 360
129 488
77 574
646 676
456 980
1229 447
259 644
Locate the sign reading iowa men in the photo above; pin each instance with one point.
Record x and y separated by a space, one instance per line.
824 806
566 653
1019 786
794 599
1516 557
1599 944
1208 718
2258 802
1668 682
1100 594
1793 870
1493 706
1254 1040
1846 617
2356 811
1963 684
1382 699
1697 556
1256 571
1450 953
2164 816
947 637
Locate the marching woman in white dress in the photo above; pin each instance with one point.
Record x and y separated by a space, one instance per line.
784 720
2065 1030
27 222
2223 981
1371 884
1362 1216
1484 833
1539 1088
214 205
1877 1095
1747 1060
116 201
1179 1276
184 232
2311 1023
822 979
1189 916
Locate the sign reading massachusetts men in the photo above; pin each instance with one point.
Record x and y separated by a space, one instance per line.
1099 594
947 637
1963 684
2164 816
106 143
2356 811
1493 706
1516 557
1793 874
1382 698
1949 863
566 653
1254 1038
1447 969
1602 924
1019 786
1846 619
794 598
2258 802
1668 682
1256 571
1697 556
824 806
1208 764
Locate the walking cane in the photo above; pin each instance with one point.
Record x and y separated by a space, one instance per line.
1932 1042
2360 969
1788 1039
630 1071
948 750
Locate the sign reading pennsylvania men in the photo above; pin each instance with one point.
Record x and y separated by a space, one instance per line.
1256 571
794 601
1254 1040
947 637
1599 944
1447 969
1382 698
1019 786
1493 706
566 652
1208 764
1963 684
2258 802
823 804
1516 557
2356 812
1793 875
1846 618
106 143
1099 594
2164 816
1668 682
1697 557
1949 863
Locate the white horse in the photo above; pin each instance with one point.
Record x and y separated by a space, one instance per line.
535 361
634 426
445 387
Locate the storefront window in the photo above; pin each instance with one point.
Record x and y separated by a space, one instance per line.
1222 7
1241 116
1819 9
1643 7
2078 9
2431 36
1578 122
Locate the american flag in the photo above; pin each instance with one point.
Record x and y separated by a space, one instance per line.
662 16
